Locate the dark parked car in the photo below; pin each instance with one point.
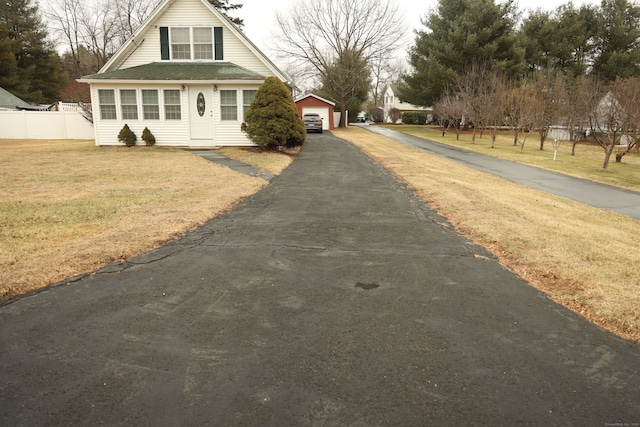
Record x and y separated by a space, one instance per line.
313 122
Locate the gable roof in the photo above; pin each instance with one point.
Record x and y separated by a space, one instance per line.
9 100
179 71
136 39
310 95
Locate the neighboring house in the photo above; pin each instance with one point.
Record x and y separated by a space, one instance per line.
10 102
188 74
391 101
314 104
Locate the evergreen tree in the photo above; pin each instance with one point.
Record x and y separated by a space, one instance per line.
272 119
460 33
347 81
29 66
561 40
618 40
225 7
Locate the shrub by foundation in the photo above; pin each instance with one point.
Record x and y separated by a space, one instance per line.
148 137
127 136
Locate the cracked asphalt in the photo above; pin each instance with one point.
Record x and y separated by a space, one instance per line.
331 297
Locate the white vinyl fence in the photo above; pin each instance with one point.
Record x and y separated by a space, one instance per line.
45 125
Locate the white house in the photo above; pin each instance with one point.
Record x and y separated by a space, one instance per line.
188 74
391 101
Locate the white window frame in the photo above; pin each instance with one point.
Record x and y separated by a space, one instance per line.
128 113
245 105
226 108
197 56
150 109
103 105
174 31
165 105
196 45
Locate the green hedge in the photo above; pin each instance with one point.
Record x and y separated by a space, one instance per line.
415 117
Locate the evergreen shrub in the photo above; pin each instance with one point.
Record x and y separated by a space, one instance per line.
127 136
148 137
414 117
272 120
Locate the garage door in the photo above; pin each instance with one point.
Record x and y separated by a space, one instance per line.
323 111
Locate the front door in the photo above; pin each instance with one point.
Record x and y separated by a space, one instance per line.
201 112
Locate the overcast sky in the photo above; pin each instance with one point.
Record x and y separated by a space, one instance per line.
259 15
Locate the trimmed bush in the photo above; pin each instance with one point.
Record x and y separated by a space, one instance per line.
272 120
148 137
127 136
415 117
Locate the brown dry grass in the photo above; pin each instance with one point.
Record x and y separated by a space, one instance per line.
69 207
584 258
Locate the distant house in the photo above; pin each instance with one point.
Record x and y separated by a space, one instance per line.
391 101
10 102
314 104
188 74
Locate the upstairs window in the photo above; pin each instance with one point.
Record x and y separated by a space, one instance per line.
202 43
191 43
180 43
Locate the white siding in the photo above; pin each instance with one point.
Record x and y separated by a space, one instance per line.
167 132
171 132
227 132
193 13
237 50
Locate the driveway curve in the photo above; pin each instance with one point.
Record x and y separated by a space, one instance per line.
622 201
331 297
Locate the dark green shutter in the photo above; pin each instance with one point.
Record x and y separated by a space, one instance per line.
217 34
164 43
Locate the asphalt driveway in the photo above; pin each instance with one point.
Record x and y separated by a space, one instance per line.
331 297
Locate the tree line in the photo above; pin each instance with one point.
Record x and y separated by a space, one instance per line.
602 41
577 67
608 113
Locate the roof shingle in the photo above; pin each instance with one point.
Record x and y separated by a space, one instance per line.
179 71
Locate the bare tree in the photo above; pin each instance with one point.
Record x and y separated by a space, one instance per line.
450 110
395 115
65 17
627 93
606 121
384 72
525 111
580 92
495 109
474 89
325 33
130 14
101 28
550 90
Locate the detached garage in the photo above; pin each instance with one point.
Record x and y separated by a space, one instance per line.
314 104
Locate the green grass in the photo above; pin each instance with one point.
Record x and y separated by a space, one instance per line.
586 163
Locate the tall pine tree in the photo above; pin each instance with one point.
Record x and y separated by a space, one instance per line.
618 40
460 33
29 65
225 7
